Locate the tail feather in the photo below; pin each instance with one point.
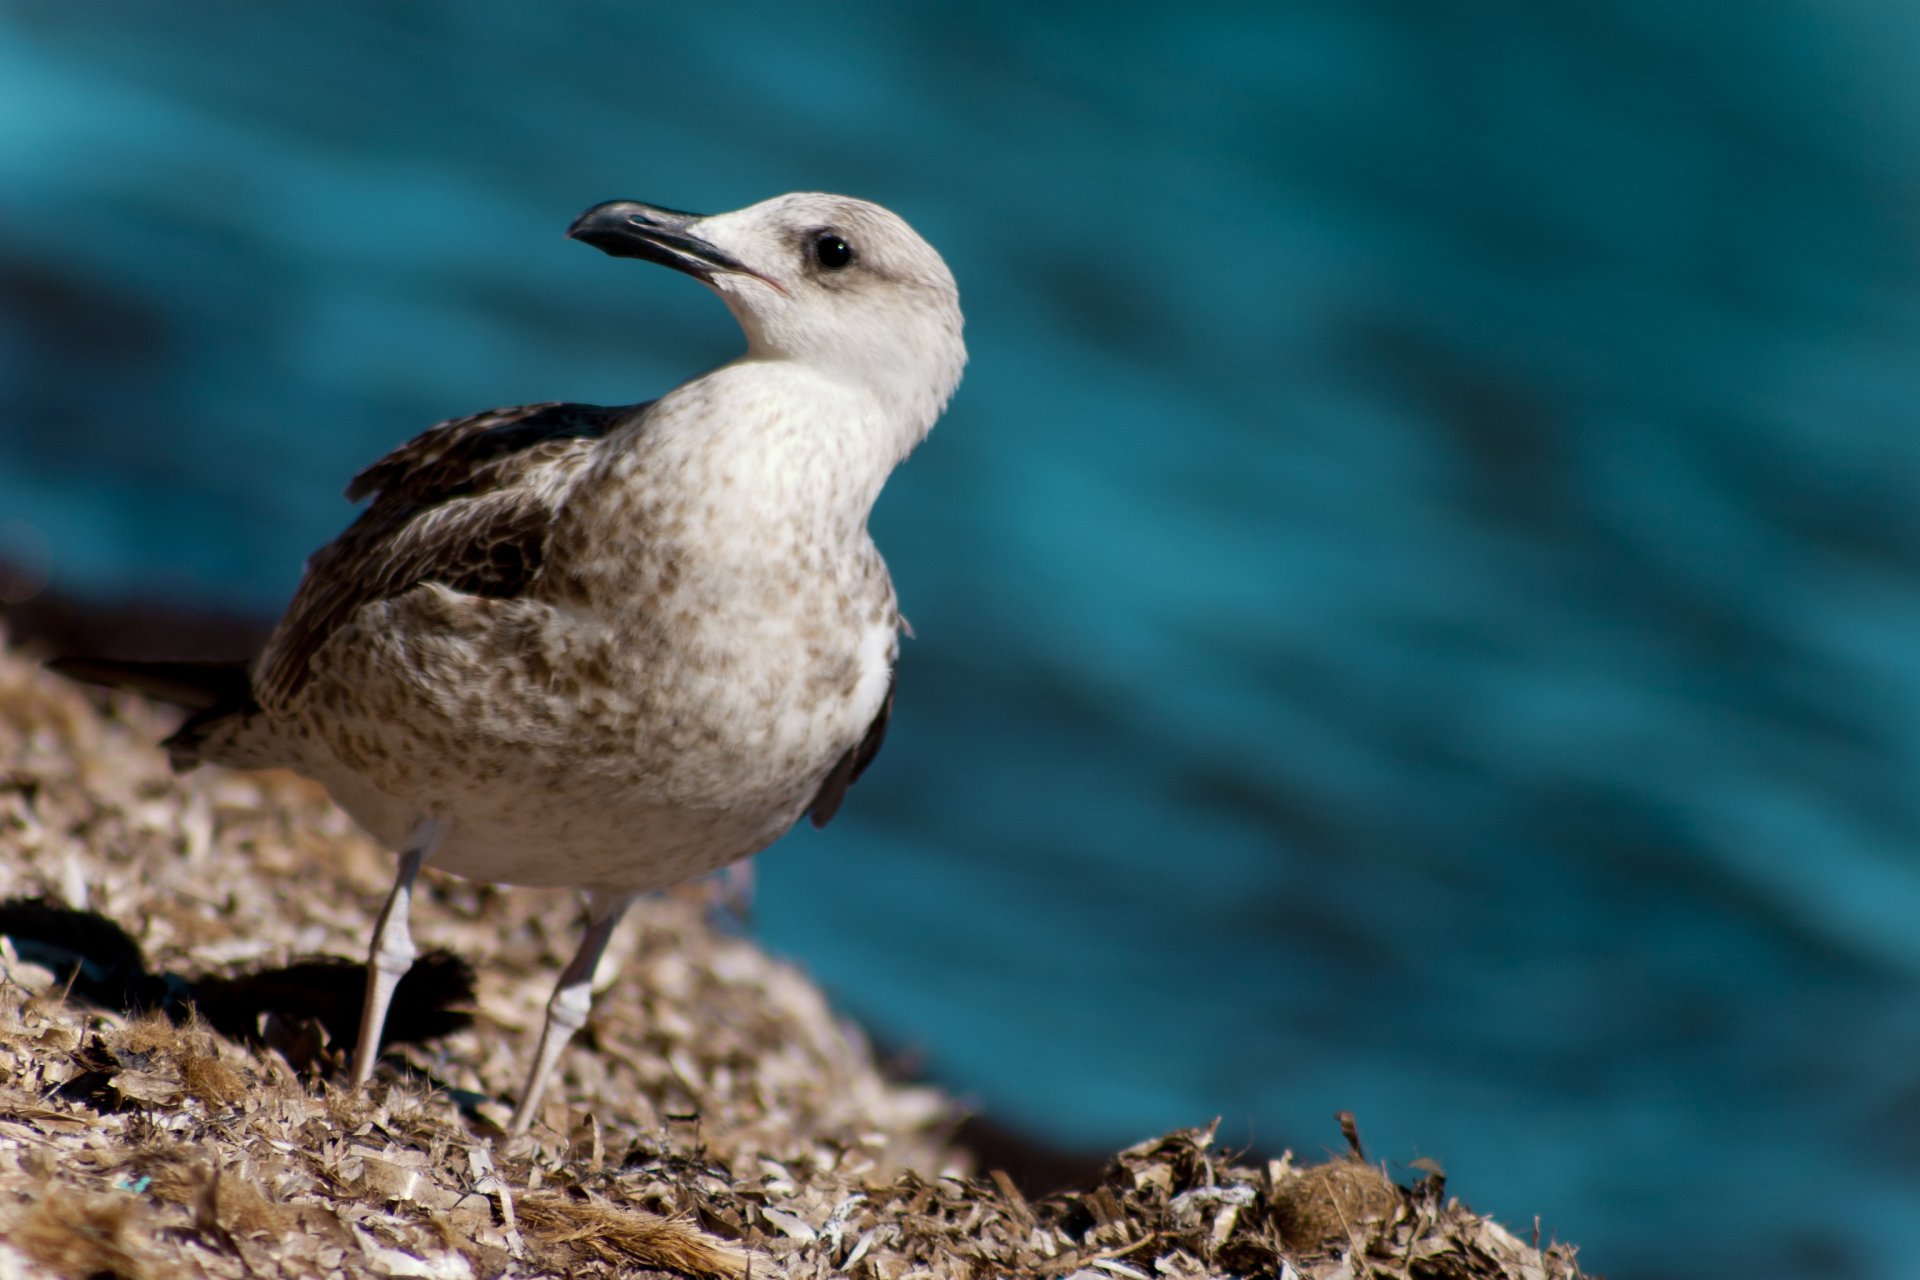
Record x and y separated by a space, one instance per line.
197 686
215 692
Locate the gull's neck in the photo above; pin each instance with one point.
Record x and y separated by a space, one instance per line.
774 441
897 368
734 500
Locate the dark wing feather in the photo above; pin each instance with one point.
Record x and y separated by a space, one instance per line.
847 770
453 506
447 460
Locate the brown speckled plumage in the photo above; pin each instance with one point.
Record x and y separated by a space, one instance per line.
617 647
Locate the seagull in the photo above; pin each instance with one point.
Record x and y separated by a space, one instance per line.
617 647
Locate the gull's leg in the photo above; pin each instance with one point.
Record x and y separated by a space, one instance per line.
572 998
734 891
393 951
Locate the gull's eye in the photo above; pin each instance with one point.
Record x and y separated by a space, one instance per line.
831 252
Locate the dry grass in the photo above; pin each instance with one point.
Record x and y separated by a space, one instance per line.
714 1120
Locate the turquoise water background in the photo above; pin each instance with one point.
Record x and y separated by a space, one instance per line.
1418 598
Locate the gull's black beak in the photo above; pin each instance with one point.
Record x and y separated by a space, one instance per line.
629 229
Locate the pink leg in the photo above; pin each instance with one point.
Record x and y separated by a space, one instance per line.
572 999
393 951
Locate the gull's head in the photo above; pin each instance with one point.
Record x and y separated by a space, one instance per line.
841 285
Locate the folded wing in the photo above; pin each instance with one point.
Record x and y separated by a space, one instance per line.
468 504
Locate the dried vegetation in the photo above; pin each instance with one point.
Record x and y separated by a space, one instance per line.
715 1119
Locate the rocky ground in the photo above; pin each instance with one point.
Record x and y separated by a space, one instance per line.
178 976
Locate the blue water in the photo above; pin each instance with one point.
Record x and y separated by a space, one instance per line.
1418 597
